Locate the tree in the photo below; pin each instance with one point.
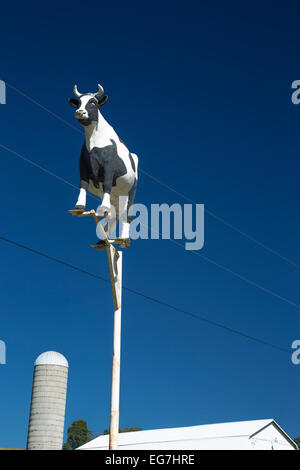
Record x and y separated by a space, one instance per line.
106 431
78 434
297 440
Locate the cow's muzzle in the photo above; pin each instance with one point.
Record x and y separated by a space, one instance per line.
81 114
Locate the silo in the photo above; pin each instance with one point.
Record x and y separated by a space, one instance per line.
48 402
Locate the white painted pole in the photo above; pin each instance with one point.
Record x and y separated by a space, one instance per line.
115 384
115 268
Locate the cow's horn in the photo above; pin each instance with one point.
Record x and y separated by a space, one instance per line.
76 92
99 92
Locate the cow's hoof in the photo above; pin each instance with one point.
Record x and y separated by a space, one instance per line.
100 245
123 242
126 242
79 209
103 211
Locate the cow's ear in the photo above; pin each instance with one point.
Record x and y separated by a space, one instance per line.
74 102
102 101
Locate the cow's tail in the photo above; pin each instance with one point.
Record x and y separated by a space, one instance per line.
136 162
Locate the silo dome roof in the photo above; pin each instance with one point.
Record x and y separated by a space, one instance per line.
51 358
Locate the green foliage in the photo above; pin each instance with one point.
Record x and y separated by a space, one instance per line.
78 434
297 440
106 431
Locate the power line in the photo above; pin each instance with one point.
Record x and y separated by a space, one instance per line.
243 278
158 181
145 296
45 170
223 221
56 116
206 258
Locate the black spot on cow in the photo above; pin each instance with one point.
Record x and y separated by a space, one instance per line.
92 109
101 165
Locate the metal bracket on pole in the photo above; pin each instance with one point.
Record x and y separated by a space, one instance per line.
115 270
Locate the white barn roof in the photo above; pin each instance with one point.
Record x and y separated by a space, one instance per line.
243 435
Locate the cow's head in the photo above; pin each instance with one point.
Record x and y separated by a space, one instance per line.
87 105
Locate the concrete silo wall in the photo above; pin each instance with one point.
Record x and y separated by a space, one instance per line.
47 410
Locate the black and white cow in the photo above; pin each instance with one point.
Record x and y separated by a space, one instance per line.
107 168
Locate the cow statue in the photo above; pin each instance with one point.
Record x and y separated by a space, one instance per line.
107 168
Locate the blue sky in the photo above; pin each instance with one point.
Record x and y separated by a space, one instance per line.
202 94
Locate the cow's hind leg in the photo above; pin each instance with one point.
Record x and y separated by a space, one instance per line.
124 226
109 227
125 217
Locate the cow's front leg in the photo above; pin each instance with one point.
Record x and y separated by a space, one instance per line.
105 207
81 201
